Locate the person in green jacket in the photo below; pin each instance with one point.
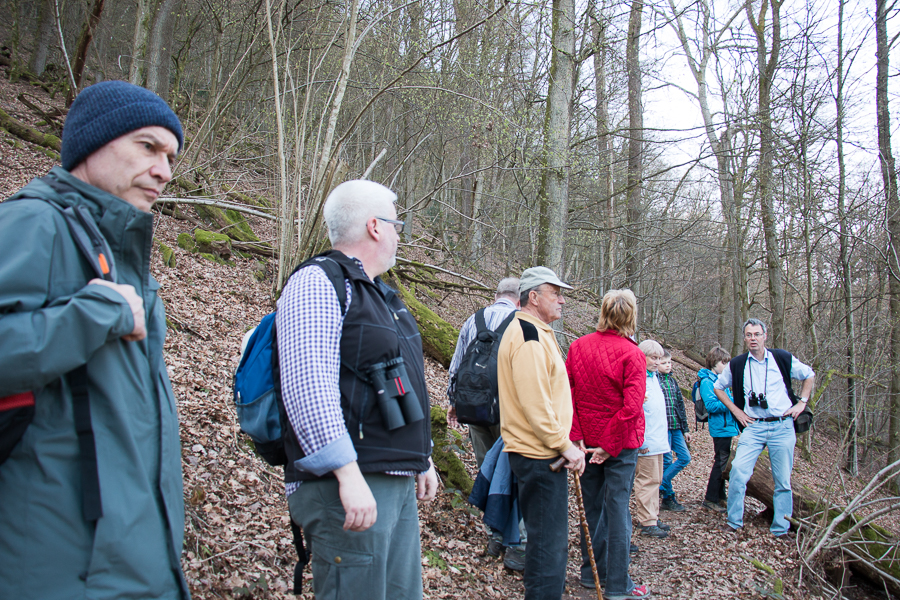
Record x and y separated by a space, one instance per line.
73 525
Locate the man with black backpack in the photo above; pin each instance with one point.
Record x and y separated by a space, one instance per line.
352 379
767 412
506 301
91 500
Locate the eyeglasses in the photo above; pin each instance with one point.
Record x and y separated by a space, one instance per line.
754 335
399 226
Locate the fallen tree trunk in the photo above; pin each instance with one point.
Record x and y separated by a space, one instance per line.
27 133
873 551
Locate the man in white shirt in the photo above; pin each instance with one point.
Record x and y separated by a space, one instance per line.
765 407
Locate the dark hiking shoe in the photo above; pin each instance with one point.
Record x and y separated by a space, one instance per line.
634 549
514 559
589 584
653 531
714 506
671 503
494 547
662 525
639 591
726 528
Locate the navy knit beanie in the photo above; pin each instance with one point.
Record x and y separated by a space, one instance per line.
110 109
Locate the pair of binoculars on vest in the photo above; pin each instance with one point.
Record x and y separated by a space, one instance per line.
397 401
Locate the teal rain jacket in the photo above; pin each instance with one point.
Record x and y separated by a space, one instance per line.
721 422
50 323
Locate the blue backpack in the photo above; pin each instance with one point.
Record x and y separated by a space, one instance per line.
257 381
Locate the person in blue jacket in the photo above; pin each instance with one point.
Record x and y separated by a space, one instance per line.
722 427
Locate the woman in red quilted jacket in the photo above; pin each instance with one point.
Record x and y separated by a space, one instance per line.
607 374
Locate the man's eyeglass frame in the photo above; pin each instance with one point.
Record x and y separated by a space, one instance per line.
399 226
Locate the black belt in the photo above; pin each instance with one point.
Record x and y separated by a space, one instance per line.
773 419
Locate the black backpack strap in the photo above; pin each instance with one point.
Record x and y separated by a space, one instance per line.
302 556
92 506
783 359
505 323
335 273
480 323
96 251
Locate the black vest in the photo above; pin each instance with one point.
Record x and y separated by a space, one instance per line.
377 327
782 359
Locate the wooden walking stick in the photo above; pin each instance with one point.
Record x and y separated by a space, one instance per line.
555 466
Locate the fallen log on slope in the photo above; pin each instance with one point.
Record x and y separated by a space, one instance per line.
872 552
27 133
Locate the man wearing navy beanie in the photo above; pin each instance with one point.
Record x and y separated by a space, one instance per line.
91 500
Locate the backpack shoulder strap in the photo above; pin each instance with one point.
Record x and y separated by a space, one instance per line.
335 273
87 237
783 359
480 323
506 323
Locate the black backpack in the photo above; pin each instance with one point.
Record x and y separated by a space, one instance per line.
700 413
473 388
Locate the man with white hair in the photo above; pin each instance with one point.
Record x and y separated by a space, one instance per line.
353 385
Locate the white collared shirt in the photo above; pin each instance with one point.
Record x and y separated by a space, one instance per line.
764 375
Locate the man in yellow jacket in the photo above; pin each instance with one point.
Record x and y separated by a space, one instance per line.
535 419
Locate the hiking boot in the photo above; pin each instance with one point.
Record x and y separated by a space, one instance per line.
514 559
495 547
671 503
662 525
634 549
724 503
639 591
652 531
589 584
714 506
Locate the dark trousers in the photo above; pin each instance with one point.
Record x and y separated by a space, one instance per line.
544 500
715 488
606 489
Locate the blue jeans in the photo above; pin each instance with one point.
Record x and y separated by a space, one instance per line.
672 468
544 498
383 562
780 438
606 489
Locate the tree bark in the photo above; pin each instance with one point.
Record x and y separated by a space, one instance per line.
554 193
29 134
889 179
81 50
160 51
43 39
606 247
767 62
633 234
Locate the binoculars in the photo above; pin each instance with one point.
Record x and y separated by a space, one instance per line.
758 401
397 401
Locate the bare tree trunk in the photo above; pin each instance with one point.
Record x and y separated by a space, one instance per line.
767 62
44 38
159 52
846 274
889 178
635 149
554 193
139 41
604 152
84 41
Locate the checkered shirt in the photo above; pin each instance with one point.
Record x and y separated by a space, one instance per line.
671 393
309 323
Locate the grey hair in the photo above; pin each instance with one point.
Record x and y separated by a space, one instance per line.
350 205
755 322
523 297
508 286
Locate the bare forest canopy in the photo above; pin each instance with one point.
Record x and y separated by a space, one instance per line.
722 160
